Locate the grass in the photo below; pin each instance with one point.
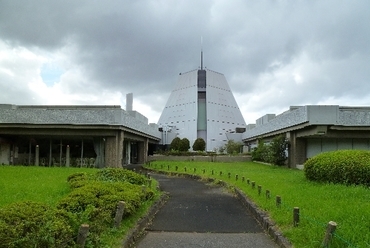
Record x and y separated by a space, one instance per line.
40 184
348 206
49 185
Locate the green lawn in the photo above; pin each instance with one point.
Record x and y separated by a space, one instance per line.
348 206
41 184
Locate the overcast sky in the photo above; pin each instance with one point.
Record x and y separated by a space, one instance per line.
274 54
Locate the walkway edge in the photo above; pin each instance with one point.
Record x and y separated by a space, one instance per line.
138 231
262 217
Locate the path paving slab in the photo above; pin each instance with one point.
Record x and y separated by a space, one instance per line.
198 214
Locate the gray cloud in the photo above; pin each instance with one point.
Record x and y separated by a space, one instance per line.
141 46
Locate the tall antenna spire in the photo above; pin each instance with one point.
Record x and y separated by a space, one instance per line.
201 53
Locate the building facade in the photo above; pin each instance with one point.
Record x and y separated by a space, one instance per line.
88 136
201 106
313 129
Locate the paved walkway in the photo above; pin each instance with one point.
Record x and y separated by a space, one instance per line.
202 215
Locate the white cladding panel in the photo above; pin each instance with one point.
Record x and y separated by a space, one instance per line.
181 107
223 113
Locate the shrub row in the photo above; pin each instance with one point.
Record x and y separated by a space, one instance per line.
342 166
93 200
273 153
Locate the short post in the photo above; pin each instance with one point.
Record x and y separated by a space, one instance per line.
243 178
229 175
248 181
82 235
330 229
253 184
259 187
204 171
150 183
220 173
268 195
68 156
176 168
195 169
168 167
278 201
236 177
37 155
119 213
295 216
212 172
185 168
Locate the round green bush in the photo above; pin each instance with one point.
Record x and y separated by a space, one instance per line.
343 166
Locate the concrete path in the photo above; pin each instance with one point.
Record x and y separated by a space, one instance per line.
202 215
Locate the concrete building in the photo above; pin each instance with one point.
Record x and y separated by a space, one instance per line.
202 106
91 136
313 129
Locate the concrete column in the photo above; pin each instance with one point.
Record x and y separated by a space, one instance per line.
297 150
37 155
68 158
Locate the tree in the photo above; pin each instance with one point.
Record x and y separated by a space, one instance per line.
199 145
184 145
233 147
175 144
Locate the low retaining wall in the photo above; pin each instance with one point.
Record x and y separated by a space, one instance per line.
201 158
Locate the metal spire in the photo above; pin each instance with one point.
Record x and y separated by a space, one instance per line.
201 53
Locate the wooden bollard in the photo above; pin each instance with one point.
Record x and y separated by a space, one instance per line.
150 183
185 168
278 201
204 171
268 194
220 173
168 167
195 169
119 213
259 187
83 232
143 189
296 216
229 175
236 177
253 184
243 178
248 181
212 172
176 168
330 229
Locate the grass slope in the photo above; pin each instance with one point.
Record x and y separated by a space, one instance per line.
348 206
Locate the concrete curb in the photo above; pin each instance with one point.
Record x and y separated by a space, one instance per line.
139 230
261 216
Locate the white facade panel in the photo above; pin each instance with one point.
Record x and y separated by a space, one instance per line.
221 111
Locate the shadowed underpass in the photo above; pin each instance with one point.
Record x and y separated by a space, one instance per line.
202 215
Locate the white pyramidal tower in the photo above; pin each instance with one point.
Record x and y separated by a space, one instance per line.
202 106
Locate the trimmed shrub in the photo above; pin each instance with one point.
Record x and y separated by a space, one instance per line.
175 144
199 145
32 224
184 145
343 166
93 200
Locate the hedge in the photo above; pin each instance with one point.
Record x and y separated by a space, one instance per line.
342 166
93 200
